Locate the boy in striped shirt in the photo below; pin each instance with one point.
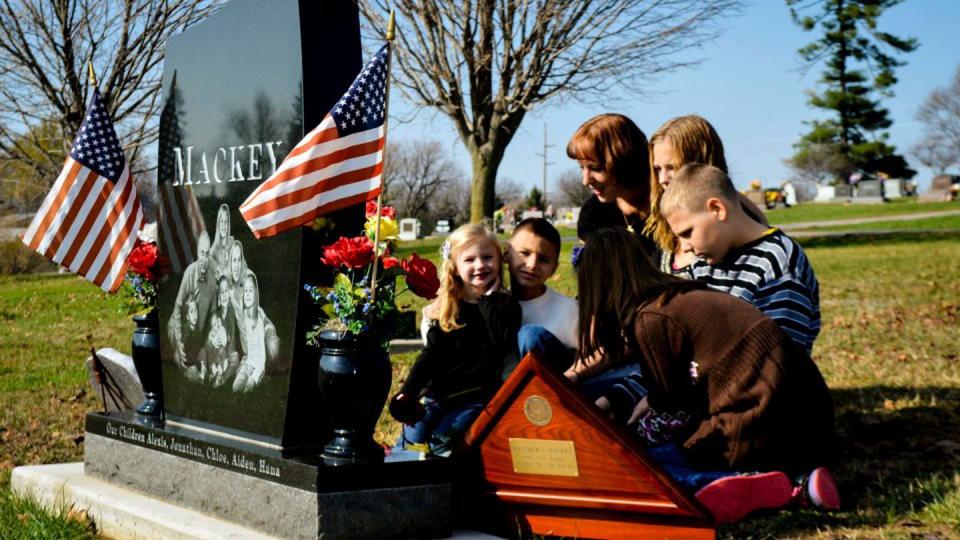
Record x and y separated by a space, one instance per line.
738 255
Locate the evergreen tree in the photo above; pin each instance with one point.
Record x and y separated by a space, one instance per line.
852 47
535 199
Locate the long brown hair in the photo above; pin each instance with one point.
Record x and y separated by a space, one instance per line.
616 145
614 278
694 141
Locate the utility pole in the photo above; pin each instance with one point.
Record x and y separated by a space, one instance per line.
545 163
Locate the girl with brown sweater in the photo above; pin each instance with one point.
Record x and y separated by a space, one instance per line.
728 391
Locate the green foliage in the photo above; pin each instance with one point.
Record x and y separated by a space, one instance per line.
350 307
24 518
849 42
535 199
136 295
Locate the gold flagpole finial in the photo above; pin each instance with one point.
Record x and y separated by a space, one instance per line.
390 27
93 76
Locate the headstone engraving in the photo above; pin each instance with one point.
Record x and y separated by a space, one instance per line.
232 317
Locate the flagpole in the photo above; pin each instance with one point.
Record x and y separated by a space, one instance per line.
93 76
383 158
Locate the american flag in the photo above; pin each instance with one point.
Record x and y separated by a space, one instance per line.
338 164
180 222
89 220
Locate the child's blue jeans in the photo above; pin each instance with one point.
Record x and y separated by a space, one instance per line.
672 461
440 426
533 337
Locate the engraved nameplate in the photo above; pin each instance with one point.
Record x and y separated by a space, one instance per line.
538 456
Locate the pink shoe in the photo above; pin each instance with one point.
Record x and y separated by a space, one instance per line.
732 498
821 490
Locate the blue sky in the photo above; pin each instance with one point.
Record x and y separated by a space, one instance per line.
748 86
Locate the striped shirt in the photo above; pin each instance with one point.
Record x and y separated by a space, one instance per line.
772 273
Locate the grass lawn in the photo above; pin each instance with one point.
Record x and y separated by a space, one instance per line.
831 211
889 349
941 223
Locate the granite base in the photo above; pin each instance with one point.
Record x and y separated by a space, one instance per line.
260 488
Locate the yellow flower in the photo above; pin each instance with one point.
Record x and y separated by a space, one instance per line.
388 228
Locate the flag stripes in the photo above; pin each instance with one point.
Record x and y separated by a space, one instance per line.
89 219
78 217
337 164
180 224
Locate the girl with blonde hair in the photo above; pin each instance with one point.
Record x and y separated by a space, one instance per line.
259 335
679 141
475 329
222 242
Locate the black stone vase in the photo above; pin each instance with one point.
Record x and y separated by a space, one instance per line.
354 376
146 358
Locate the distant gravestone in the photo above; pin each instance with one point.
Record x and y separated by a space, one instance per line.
893 188
843 191
409 229
825 193
939 189
869 191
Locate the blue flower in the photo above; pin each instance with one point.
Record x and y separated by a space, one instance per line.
575 255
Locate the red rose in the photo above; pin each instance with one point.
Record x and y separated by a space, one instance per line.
390 262
421 276
143 257
385 211
354 252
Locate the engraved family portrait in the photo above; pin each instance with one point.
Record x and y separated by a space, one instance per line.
221 335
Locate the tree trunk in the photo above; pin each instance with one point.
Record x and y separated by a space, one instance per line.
483 186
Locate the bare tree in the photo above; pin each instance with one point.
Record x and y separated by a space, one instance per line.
486 63
453 202
509 192
940 114
572 191
45 46
416 172
935 152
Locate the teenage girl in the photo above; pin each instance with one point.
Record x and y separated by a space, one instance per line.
682 140
723 399
475 328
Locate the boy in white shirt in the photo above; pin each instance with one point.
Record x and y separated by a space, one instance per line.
549 324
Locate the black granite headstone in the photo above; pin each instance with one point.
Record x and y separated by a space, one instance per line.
240 90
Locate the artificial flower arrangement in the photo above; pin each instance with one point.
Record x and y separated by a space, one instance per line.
363 298
146 266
